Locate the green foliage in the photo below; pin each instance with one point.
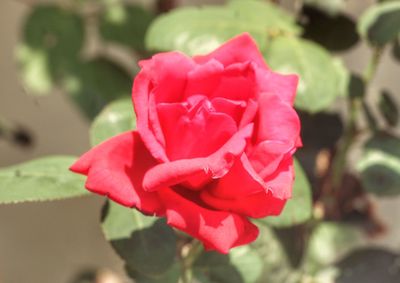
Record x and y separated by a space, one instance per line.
95 83
389 108
170 276
116 118
200 30
51 41
369 265
242 265
322 78
125 24
299 208
380 24
146 244
40 180
328 243
379 166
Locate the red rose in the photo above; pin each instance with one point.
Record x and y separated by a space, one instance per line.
213 147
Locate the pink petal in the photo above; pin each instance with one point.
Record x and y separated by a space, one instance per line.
283 86
242 191
116 167
193 131
155 78
241 48
202 169
281 124
218 230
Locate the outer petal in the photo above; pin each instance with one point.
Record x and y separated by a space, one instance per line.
277 120
201 170
115 168
284 86
242 191
239 49
160 80
218 230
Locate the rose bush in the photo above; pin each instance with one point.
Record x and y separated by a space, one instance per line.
213 146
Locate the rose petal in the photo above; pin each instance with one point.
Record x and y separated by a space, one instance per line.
242 191
241 48
201 169
218 230
284 86
280 183
193 131
281 124
115 168
156 77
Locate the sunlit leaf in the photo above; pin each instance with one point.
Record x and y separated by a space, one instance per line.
146 244
40 180
116 118
322 78
379 166
200 30
380 24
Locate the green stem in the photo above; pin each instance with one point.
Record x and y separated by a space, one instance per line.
188 260
355 106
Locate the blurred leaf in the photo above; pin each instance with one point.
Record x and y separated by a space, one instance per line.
40 180
379 166
328 243
370 266
335 33
294 242
146 244
201 30
125 24
242 265
170 276
51 41
116 118
95 83
389 108
276 268
331 7
380 24
298 209
322 78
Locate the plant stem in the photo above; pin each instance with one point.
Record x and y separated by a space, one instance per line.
187 261
355 105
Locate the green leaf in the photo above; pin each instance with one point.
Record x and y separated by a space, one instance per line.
369 265
380 24
95 83
379 166
170 276
242 265
299 208
389 108
396 49
51 41
201 30
328 243
116 118
146 244
125 24
322 78
40 180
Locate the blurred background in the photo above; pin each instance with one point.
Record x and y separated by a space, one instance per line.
54 241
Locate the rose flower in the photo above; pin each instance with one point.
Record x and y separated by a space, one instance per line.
213 147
